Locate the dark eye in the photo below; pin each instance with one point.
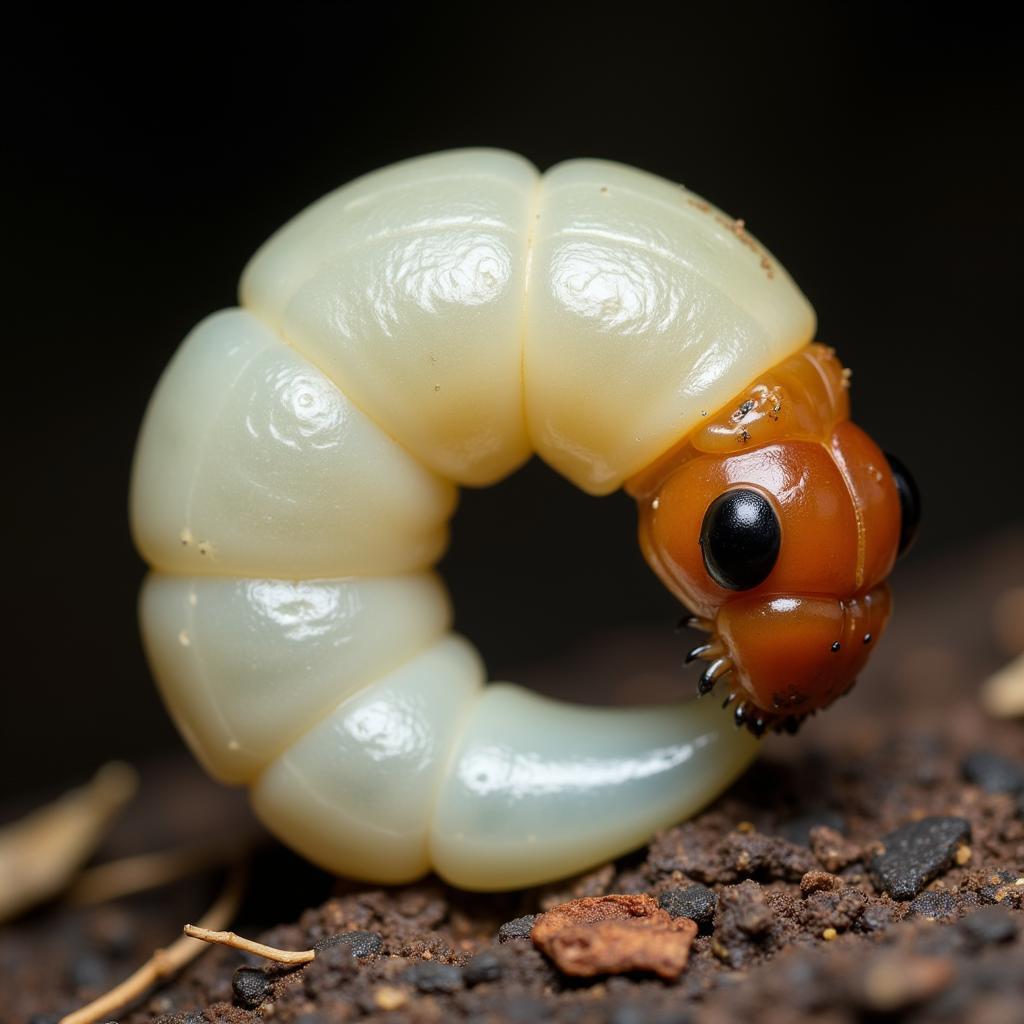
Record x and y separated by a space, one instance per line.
910 502
740 539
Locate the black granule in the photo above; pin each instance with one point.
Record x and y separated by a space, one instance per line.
696 902
433 977
361 943
993 773
916 853
517 928
483 967
250 987
935 905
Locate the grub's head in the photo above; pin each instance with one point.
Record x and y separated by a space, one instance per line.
776 523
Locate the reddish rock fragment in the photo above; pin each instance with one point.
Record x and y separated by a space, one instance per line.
591 910
615 934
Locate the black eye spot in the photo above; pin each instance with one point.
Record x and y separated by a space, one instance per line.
740 539
910 502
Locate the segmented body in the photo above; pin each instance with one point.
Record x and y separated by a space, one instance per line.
431 325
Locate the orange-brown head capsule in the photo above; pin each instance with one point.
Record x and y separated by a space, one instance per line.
776 523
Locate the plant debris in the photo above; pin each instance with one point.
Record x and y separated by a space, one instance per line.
615 934
41 853
281 956
1004 691
164 963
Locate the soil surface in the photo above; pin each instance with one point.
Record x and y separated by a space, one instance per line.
869 869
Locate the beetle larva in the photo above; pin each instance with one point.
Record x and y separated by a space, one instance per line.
434 324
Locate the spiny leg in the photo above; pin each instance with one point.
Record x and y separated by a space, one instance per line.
689 621
718 668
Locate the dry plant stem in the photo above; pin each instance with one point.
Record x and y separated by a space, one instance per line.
146 871
280 956
164 962
40 854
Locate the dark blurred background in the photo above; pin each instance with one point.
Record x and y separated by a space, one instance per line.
875 149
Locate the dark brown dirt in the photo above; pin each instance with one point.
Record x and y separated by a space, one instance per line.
869 869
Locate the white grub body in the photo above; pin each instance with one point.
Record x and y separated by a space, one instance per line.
429 325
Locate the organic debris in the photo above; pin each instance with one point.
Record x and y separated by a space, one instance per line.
615 934
41 853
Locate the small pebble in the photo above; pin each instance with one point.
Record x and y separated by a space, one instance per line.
361 943
989 926
937 906
745 909
250 987
431 977
518 928
819 881
993 773
829 934
389 998
483 967
877 917
697 902
916 853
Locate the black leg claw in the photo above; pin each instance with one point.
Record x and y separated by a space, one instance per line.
698 651
712 674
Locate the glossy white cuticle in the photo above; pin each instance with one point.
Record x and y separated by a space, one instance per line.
433 324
